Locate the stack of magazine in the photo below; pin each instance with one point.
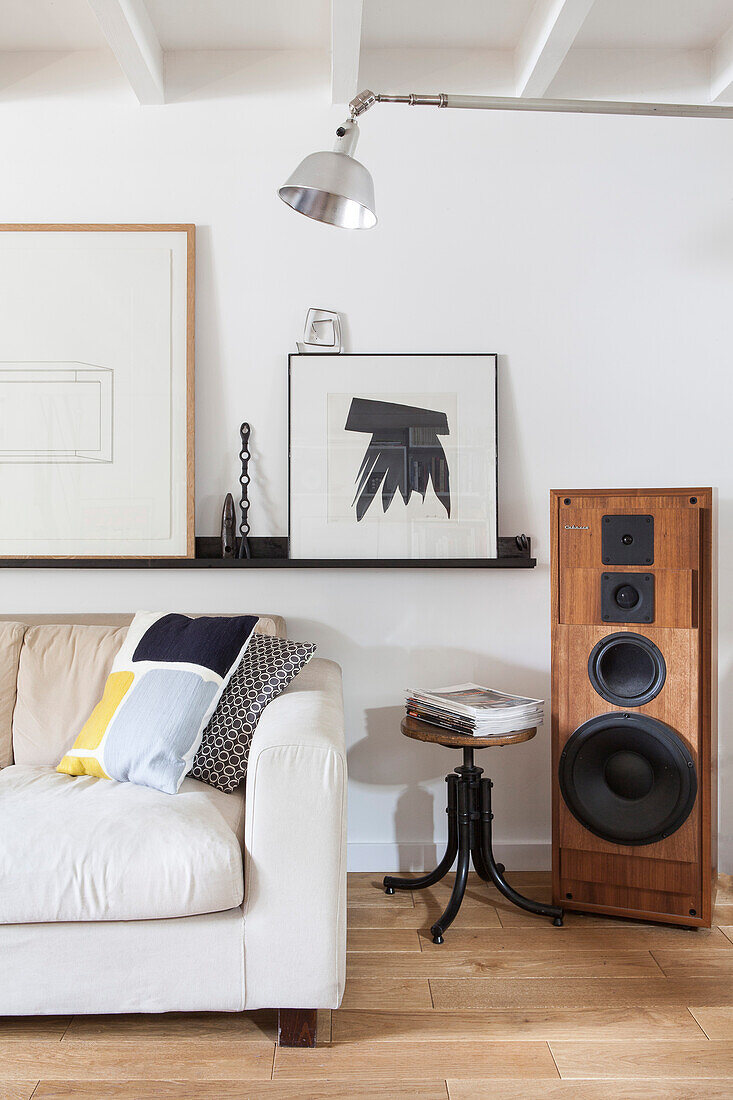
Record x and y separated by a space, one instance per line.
475 710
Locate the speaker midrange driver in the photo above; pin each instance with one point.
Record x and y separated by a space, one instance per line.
627 669
628 778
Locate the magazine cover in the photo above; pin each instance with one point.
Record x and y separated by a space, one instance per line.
471 697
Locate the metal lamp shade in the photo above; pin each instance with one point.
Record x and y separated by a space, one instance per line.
332 188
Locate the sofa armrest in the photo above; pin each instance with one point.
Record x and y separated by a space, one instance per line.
295 847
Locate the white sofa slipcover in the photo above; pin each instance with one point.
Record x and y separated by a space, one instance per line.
86 849
282 947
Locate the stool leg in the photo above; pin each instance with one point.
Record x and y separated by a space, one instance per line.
496 870
477 852
477 855
464 857
479 863
391 883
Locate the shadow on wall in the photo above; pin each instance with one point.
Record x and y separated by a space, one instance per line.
385 758
223 465
514 480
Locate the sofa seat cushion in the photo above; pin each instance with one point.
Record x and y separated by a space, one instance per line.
77 848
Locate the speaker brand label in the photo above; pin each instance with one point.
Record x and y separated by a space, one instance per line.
577 527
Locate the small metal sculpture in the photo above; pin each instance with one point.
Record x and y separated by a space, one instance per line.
322 332
244 549
228 528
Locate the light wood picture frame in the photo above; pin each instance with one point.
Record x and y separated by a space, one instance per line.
97 391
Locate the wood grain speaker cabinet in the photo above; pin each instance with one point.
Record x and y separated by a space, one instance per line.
634 677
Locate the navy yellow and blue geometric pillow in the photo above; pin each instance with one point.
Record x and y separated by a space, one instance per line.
164 685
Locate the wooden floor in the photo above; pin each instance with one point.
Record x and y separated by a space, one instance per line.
507 1007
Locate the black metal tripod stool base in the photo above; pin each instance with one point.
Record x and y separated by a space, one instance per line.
469 838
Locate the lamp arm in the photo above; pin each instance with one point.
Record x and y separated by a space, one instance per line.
367 99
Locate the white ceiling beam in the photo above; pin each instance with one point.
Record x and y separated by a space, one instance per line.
345 49
550 32
721 69
129 30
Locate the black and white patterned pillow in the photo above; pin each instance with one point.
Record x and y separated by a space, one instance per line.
266 669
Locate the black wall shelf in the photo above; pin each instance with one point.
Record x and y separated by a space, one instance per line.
271 553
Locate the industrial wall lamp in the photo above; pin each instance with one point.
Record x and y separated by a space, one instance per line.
336 189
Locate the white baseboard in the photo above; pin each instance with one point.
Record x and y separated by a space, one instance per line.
423 857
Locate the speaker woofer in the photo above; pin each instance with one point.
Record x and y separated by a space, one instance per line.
628 778
627 669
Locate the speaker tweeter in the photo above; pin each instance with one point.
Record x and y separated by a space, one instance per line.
627 540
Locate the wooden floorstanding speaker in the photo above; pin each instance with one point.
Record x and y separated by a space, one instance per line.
634 702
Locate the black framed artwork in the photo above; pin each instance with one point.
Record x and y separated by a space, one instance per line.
393 456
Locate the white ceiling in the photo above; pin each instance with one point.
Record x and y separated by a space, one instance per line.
48 25
456 24
668 24
387 24
482 46
241 24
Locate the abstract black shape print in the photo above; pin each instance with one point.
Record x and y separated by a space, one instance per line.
404 452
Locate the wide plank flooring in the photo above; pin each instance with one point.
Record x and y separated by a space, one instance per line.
508 1007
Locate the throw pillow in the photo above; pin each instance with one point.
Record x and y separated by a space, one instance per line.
268 666
163 687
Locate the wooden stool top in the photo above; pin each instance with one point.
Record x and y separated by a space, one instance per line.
424 731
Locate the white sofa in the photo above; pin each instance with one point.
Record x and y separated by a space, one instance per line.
116 898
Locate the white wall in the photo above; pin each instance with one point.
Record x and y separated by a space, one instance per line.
594 254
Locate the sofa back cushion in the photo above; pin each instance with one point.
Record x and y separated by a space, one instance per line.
11 640
61 675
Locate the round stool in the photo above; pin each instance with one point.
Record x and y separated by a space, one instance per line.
469 826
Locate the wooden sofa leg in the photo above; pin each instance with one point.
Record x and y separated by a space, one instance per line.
296 1027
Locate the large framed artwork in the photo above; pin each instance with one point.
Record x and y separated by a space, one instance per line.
96 391
393 456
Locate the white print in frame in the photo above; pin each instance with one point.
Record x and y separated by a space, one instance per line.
393 456
96 391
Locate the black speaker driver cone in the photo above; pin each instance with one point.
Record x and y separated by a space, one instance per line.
627 669
626 596
628 778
